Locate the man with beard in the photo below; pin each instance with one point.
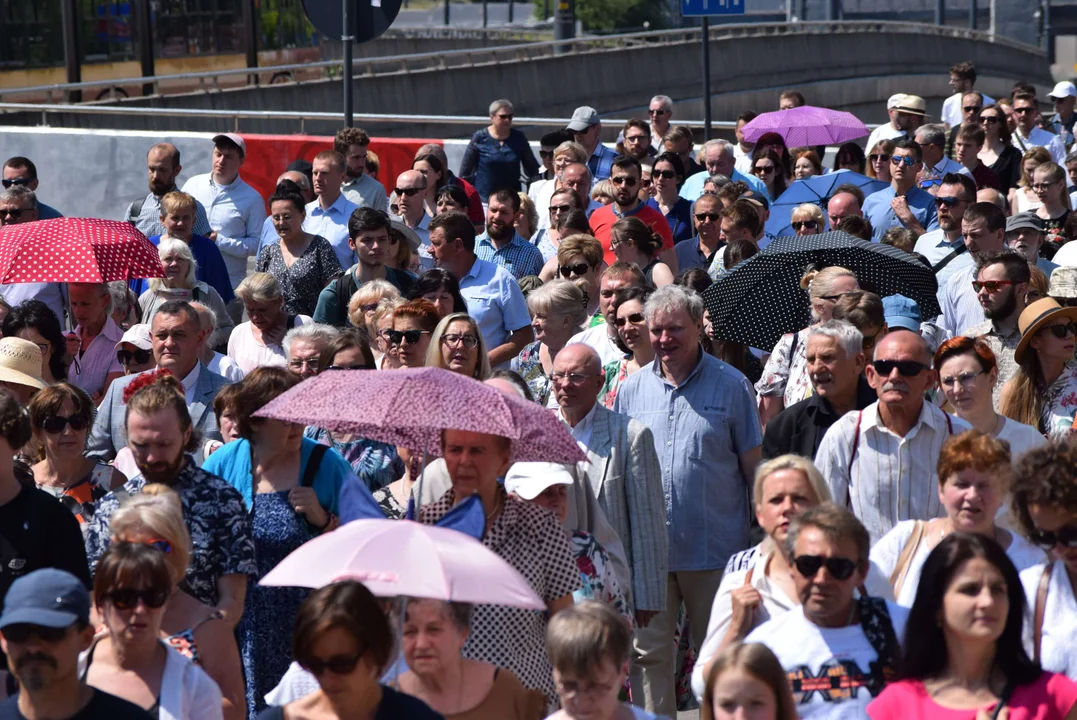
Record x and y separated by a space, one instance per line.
945 248
1025 235
1001 286
44 628
501 244
625 176
836 368
160 434
361 189
880 462
983 228
163 167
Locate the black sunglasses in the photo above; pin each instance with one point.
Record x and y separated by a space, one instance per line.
713 217
881 156
139 356
1046 539
412 336
127 598
410 192
947 201
338 664
989 120
905 368
577 269
17 181
667 174
545 154
15 213
626 180
838 567
805 225
559 208
22 632
1062 331
972 108
55 424
634 318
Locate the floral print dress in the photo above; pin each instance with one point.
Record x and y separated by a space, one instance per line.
787 376
1060 405
596 574
529 366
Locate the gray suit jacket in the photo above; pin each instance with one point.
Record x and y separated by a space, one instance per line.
109 434
627 480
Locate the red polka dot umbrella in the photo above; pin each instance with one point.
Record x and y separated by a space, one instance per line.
76 250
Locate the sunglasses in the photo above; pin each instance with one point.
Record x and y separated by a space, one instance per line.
347 367
667 174
577 269
906 160
634 318
702 217
55 424
410 192
159 544
1046 539
1023 110
338 664
878 157
559 208
128 598
626 180
839 568
454 339
934 182
805 224
763 169
991 286
139 356
869 342
989 120
635 138
505 117
23 632
17 181
412 336
15 213
948 201
905 368
657 112
972 108
1062 331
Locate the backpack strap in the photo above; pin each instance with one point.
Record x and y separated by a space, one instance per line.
879 629
136 210
908 552
852 457
313 463
345 288
1040 610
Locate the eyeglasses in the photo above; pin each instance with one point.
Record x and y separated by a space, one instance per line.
626 180
298 364
1062 331
948 201
965 380
905 368
128 598
454 339
1046 539
707 217
410 192
991 286
412 336
667 174
634 318
22 633
14 213
838 567
1040 187
571 378
347 367
635 138
577 269
139 356
805 224
972 108
55 424
879 157
281 218
906 160
989 119
763 169
571 690
338 664
17 181
1023 110
556 209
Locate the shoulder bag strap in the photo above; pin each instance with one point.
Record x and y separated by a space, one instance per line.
852 457
313 463
1040 610
901 569
959 250
793 349
1003 699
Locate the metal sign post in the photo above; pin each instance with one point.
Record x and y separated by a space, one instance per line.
706 9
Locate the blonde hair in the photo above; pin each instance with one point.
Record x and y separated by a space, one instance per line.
758 661
167 247
1040 154
573 149
157 512
529 212
602 188
370 292
175 201
807 211
559 297
259 287
791 462
433 352
818 282
1022 395
385 307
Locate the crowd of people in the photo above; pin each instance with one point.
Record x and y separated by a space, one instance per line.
876 516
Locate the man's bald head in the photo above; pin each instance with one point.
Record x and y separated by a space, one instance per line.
297 177
581 356
163 167
577 380
842 205
906 340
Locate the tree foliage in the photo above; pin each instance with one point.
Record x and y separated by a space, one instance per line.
599 16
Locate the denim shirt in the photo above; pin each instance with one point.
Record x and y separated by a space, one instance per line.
491 165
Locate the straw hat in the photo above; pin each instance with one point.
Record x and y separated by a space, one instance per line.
410 236
20 362
1063 283
1034 317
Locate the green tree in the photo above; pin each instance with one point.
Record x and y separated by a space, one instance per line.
608 15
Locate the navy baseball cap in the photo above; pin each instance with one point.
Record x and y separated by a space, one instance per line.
47 597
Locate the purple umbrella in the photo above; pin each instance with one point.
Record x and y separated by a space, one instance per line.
807 125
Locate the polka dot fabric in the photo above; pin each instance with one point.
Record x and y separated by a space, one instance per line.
410 407
760 299
76 250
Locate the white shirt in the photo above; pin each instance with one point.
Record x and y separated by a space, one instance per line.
952 111
236 213
1040 138
742 161
1021 438
1058 651
892 478
960 307
805 649
189 383
598 339
248 353
225 367
581 432
886 131
944 166
332 224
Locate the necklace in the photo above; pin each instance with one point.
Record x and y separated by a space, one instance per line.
496 509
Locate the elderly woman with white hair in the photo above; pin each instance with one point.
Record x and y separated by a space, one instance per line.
180 283
807 219
258 342
498 155
303 348
213 360
558 309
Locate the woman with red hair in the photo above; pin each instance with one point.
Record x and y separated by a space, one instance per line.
413 324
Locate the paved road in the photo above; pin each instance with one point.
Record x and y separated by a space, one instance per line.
466 15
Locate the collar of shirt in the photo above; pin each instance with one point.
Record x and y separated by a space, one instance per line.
474 270
516 240
871 418
190 382
110 331
337 208
220 187
615 208
582 430
656 368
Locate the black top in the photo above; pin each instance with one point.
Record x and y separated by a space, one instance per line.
1008 168
799 429
38 532
101 707
394 706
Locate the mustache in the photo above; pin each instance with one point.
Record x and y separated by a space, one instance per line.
24 660
896 386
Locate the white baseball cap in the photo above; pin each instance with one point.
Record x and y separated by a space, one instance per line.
530 479
1063 89
234 139
139 336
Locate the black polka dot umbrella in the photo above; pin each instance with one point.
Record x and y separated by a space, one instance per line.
760 299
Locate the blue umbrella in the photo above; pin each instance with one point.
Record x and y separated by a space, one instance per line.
817 190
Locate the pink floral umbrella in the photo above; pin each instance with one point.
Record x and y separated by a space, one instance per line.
76 250
405 558
410 408
807 125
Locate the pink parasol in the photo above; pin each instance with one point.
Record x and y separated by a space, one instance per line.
76 250
807 125
405 558
410 408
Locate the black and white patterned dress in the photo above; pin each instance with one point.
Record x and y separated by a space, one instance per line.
531 539
306 278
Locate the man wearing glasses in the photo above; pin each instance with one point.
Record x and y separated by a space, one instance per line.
984 229
698 252
586 129
20 171
945 247
902 204
1065 98
1028 135
661 112
625 174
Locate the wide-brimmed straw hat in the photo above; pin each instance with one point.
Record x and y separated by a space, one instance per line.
20 362
1034 317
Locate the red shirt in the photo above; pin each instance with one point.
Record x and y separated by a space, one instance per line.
602 221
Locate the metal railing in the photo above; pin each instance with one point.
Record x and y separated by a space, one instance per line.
443 60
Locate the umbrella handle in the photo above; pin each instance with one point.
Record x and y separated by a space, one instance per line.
419 497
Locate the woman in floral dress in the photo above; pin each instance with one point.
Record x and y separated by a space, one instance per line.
558 309
633 338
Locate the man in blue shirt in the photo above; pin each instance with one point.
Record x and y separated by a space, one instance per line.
718 159
706 429
328 215
586 129
902 204
501 244
21 171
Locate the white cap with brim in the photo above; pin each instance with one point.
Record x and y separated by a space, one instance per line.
139 336
234 139
530 479
1063 89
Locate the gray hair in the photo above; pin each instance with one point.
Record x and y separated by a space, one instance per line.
498 104
559 297
665 100
171 246
314 332
931 135
848 337
719 180
724 146
106 291
121 296
207 319
297 177
259 287
671 299
19 192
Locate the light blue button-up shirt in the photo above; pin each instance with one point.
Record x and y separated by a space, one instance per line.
701 428
877 210
236 213
332 224
495 302
693 186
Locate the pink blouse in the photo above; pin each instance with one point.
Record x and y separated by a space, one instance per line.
1050 697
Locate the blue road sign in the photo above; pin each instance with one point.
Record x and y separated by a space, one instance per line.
706 8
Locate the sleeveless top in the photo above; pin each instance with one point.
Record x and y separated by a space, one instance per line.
183 641
649 271
81 498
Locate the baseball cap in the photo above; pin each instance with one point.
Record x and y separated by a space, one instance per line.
912 104
901 312
530 479
894 101
583 118
1063 89
47 597
1024 221
756 198
139 336
234 139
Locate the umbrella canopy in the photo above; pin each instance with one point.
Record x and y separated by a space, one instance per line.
807 125
410 407
401 557
760 299
817 190
76 250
